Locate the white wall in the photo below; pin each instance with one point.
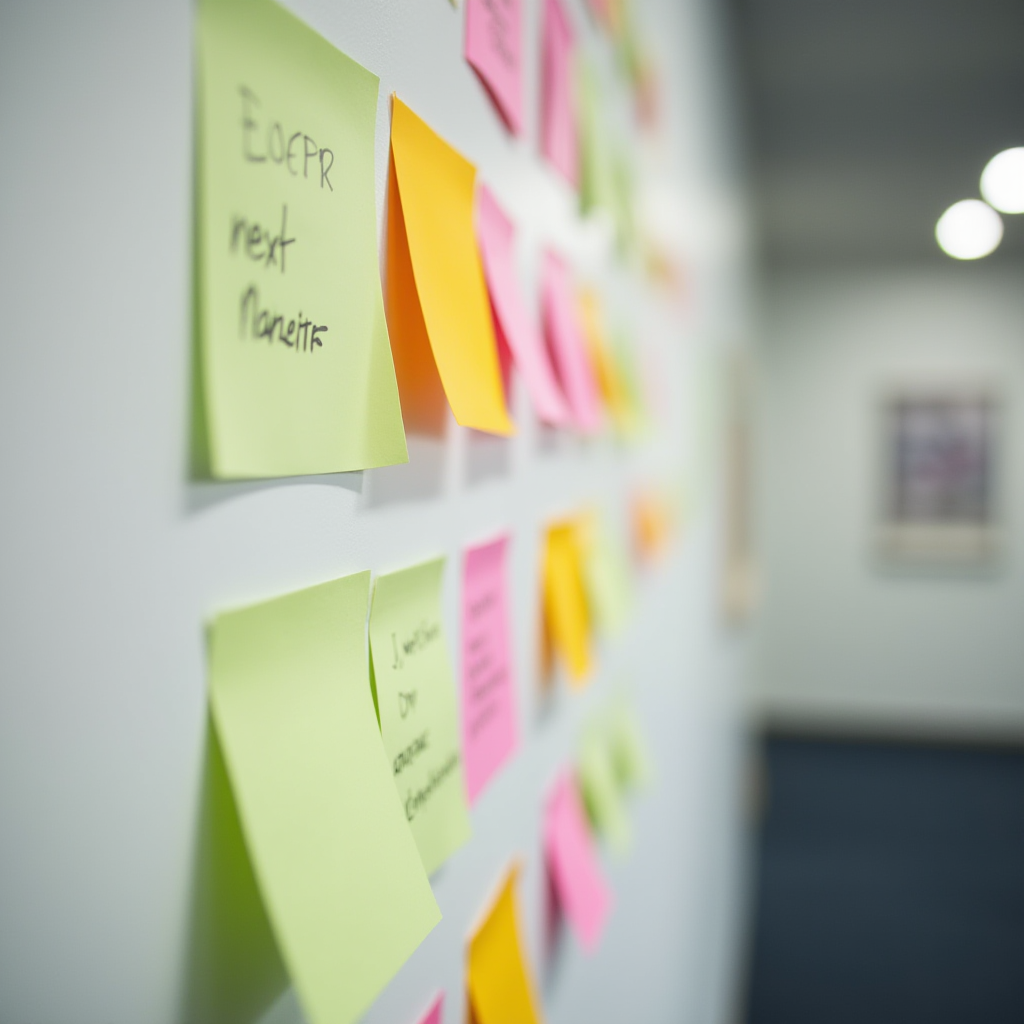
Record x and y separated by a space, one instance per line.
845 640
112 557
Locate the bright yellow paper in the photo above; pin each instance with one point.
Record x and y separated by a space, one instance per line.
336 864
565 603
294 371
416 703
435 192
501 990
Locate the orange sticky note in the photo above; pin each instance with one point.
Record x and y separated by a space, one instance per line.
437 299
501 990
565 602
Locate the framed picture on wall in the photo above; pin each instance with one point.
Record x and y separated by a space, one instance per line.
939 474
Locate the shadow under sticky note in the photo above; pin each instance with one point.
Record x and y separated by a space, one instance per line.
338 870
501 989
431 209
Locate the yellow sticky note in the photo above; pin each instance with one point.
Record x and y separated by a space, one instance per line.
565 602
501 990
338 869
294 370
613 389
436 287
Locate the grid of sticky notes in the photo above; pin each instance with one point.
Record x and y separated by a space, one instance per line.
353 730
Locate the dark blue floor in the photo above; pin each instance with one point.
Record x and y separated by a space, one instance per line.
890 885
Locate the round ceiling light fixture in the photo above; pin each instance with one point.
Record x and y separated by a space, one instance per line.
1002 181
969 230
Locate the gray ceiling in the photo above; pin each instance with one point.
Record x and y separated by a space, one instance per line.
867 118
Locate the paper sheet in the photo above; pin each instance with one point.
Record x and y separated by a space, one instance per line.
415 693
558 132
436 1012
567 346
294 371
600 788
501 990
579 882
565 604
631 759
606 370
490 733
494 44
433 219
597 173
496 235
606 573
338 868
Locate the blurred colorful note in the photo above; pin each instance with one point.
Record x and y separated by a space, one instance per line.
606 573
294 372
415 694
567 347
631 759
600 788
501 990
490 734
496 235
436 291
494 46
580 886
565 602
558 135
436 1012
613 390
336 864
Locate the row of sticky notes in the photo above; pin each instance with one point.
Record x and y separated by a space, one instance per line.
301 367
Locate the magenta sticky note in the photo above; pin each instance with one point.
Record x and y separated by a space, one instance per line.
490 733
567 347
494 50
515 330
435 1013
576 875
558 135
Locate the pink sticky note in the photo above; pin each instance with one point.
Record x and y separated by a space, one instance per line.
496 237
489 730
565 342
433 1015
579 883
558 139
494 46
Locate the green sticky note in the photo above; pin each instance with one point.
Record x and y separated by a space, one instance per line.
336 864
415 692
631 759
597 178
600 787
294 364
608 580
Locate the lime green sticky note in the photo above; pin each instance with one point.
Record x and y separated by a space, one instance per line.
294 364
336 864
608 580
631 759
600 788
416 701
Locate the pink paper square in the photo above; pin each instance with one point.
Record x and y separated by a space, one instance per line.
565 342
434 1014
494 47
489 731
558 138
515 329
579 883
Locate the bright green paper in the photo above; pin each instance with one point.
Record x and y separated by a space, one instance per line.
342 881
608 580
295 366
600 787
415 695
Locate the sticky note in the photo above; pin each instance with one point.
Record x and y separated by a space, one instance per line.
415 694
496 235
436 293
494 46
336 863
565 603
606 575
436 1012
490 733
606 370
293 371
501 989
597 175
579 883
558 137
600 788
652 519
631 759
567 346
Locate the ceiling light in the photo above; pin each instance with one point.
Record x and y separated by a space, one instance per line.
1002 181
969 230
